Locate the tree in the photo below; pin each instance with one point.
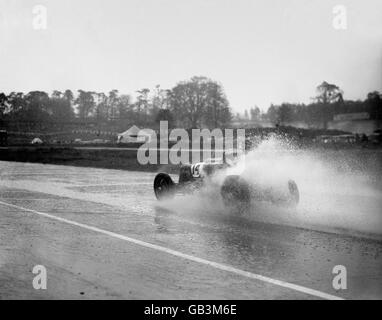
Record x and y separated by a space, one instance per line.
328 94
112 103
374 95
374 104
3 103
159 98
36 106
217 113
199 102
17 104
56 94
255 113
164 115
60 110
68 95
101 108
272 114
159 101
142 104
285 113
86 103
125 108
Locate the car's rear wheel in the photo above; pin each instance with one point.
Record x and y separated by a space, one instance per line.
236 193
294 194
164 186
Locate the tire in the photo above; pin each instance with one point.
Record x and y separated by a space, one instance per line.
294 194
236 193
164 187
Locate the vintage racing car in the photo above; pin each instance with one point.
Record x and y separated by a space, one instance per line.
236 190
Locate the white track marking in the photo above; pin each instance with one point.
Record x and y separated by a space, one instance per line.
24 199
109 185
175 253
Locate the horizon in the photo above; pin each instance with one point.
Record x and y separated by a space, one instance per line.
98 46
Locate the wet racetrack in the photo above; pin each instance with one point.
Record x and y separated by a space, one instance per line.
102 234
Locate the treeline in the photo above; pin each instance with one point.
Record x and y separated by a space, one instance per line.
198 102
328 103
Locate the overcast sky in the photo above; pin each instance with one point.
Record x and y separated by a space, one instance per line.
261 51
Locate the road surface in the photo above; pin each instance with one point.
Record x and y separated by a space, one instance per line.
101 234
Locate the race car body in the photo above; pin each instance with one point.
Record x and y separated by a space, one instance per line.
236 190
